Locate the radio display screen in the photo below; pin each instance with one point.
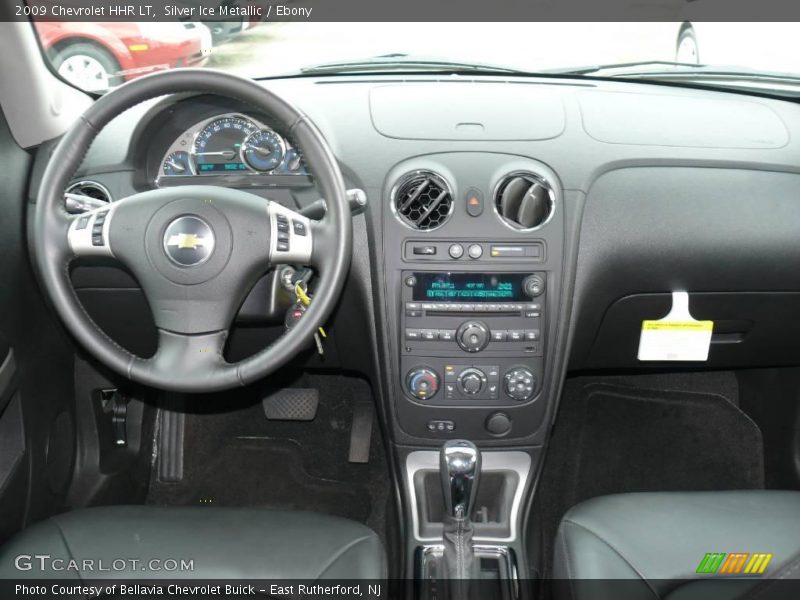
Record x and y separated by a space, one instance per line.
469 287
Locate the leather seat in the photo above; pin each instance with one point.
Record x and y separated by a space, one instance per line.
222 543
650 545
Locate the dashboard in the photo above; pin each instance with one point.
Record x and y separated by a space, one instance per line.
514 229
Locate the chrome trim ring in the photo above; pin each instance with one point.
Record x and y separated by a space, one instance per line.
551 192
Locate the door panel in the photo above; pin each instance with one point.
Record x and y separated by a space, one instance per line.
36 389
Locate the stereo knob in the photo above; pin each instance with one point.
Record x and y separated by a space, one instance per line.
473 336
533 286
472 381
422 383
519 383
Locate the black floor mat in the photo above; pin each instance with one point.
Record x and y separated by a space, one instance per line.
619 438
239 458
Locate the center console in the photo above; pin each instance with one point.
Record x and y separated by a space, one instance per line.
473 250
472 255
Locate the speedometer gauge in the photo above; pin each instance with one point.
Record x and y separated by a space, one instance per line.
263 150
217 147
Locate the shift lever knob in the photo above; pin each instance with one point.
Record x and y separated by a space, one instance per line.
459 468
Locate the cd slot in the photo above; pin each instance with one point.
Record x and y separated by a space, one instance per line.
494 313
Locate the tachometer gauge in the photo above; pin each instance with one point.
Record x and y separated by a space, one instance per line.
263 150
217 147
178 163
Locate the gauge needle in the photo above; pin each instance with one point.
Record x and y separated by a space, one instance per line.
260 150
176 166
225 153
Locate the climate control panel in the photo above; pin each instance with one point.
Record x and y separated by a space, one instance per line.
443 383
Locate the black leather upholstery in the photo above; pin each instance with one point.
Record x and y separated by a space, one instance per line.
223 543
656 541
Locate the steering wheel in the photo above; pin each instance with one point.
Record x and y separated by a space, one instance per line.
196 250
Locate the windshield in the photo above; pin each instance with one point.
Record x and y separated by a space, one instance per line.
96 56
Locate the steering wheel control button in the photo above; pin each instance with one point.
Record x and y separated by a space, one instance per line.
422 383
97 228
299 228
474 202
473 336
283 233
519 383
533 286
83 222
475 251
189 241
291 236
498 424
455 251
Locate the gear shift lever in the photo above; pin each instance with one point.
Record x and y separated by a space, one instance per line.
460 469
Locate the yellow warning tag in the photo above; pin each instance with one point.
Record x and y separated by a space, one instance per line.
676 337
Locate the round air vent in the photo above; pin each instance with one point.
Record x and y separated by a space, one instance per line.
83 196
524 200
422 200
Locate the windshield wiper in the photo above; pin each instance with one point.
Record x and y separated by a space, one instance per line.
625 67
676 70
394 62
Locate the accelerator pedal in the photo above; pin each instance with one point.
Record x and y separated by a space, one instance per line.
170 445
292 404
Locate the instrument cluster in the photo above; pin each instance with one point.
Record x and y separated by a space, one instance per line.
230 143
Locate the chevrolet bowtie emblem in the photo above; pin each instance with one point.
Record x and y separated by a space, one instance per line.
186 241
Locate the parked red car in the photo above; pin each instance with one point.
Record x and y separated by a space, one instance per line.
97 56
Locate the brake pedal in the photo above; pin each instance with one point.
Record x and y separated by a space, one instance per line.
292 404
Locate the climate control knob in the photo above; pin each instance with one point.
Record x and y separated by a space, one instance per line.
472 381
422 383
519 383
473 336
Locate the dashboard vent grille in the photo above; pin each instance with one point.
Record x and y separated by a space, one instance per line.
83 196
524 200
423 200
